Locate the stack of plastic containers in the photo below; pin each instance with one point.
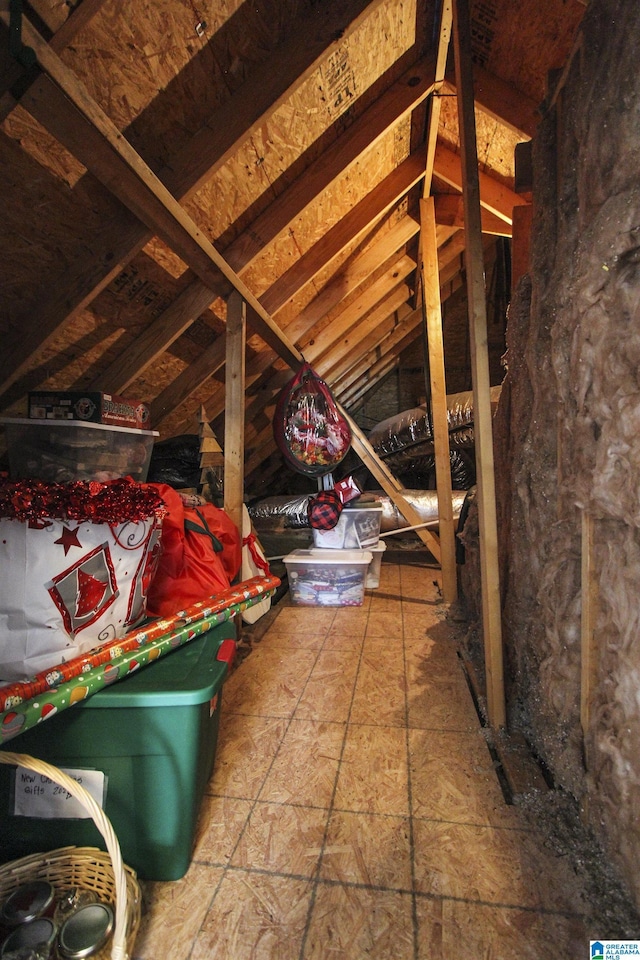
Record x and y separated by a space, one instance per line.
343 561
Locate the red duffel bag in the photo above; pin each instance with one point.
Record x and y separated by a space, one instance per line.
201 555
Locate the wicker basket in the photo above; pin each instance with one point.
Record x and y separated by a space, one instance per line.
85 867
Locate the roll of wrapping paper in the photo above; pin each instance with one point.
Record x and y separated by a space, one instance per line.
28 703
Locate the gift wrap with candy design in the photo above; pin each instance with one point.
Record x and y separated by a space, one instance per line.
70 584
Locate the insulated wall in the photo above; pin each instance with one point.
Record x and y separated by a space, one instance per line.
568 450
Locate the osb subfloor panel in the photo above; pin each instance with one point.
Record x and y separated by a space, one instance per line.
355 811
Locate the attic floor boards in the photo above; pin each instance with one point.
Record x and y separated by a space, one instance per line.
355 810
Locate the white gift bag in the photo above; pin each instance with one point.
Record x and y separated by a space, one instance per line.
67 586
254 564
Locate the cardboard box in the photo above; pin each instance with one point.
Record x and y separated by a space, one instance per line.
92 407
152 739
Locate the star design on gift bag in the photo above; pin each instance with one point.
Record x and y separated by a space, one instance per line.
69 538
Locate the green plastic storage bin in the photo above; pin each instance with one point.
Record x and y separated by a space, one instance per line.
154 737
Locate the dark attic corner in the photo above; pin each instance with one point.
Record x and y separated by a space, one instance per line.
318 479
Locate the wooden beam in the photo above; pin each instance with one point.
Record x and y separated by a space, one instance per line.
178 316
96 141
446 15
450 212
355 223
189 381
155 339
433 312
255 367
362 374
359 397
489 567
10 69
521 245
352 277
363 134
123 236
494 196
234 409
502 101
79 17
351 325
389 484
449 264
365 385
363 337
317 344
433 123
265 90
257 404
318 341
335 367
324 364
63 34
264 445
358 383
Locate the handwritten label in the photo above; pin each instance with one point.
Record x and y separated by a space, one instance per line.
38 796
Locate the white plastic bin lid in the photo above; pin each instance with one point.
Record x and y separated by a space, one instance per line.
75 424
329 556
380 547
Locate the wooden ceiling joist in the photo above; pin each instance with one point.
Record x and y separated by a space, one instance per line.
353 275
155 339
161 333
93 138
495 197
356 341
450 212
509 106
234 199
362 135
202 155
352 226
193 377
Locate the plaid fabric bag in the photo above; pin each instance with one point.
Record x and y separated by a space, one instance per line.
324 510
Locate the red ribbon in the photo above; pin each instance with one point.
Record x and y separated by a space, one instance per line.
259 561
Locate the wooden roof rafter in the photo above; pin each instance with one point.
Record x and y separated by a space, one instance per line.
294 232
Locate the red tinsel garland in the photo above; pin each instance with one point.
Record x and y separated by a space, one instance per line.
114 501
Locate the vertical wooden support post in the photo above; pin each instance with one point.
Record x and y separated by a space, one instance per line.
588 665
520 243
434 118
431 294
446 14
234 408
489 569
